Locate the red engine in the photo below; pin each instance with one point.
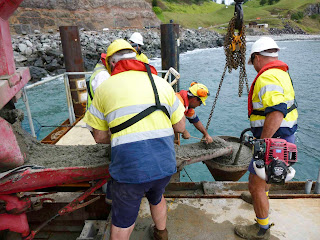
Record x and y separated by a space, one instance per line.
273 158
276 148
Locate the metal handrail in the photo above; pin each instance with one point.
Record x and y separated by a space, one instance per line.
72 117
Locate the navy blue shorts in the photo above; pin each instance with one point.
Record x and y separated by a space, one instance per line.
126 199
290 139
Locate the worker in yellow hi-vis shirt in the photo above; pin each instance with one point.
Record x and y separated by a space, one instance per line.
136 41
273 113
142 113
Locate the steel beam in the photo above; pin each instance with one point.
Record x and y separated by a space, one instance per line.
70 40
170 43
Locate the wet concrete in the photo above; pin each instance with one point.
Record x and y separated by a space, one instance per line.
245 155
194 150
53 156
59 156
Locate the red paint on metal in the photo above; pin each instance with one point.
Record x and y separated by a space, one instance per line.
10 154
76 203
7 92
32 179
15 222
11 80
7 7
7 66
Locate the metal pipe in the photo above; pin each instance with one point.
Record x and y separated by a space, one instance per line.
77 73
308 186
44 81
72 117
26 103
49 79
317 185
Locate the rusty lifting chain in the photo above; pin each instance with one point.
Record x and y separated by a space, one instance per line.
235 51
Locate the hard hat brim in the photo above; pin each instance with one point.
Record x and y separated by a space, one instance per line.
203 100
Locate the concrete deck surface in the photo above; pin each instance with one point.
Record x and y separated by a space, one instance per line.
78 135
203 219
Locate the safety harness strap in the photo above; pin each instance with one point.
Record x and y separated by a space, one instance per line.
88 90
262 113
145 112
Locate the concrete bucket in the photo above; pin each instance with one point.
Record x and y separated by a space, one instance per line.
225 168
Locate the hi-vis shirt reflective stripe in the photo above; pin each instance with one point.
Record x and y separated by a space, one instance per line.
113 105
97 69
133 110
272 88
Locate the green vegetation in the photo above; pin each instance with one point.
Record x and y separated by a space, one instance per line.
297 16
270 2
208 14
154 3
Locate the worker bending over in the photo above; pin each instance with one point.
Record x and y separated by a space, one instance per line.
142 112
99 74
191 99
136 41
273 114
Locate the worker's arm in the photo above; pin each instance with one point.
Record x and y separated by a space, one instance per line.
186 134
271 124
180 126
102 136
202 129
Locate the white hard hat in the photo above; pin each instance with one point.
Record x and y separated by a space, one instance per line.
136 38
263 44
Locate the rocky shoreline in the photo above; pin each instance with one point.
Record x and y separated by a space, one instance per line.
42 53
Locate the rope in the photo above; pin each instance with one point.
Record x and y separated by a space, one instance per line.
187 174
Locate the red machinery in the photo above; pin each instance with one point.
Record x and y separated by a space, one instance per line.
273 158
28 178
12 81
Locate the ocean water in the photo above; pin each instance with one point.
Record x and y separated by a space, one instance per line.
49 108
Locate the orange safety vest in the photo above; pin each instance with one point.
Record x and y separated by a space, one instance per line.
183 97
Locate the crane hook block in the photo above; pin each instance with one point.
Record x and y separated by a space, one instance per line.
236 43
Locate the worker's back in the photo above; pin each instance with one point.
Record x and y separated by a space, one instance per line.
144 151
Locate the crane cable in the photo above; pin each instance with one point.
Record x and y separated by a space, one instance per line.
235 51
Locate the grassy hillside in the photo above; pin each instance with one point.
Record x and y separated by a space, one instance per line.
216 16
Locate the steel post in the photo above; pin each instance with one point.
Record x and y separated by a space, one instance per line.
26 103
170 43
70 40
72 117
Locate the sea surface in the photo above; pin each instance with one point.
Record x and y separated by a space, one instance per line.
49 108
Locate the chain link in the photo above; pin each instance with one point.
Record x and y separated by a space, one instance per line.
234 59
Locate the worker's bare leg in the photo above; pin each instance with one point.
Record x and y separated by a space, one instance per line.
121 233
159 214
257 188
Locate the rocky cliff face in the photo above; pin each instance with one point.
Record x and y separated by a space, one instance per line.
88 14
